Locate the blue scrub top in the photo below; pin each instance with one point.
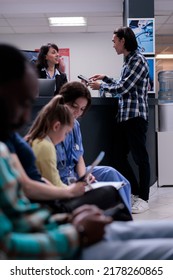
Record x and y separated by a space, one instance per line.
69 152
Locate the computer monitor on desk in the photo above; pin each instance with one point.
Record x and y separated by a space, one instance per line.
46 87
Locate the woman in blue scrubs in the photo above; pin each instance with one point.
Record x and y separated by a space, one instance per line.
70 161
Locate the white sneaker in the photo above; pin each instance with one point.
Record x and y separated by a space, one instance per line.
140 206
134 198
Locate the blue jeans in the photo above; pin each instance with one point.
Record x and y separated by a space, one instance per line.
109 174
134 240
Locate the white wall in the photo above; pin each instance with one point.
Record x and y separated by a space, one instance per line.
90 53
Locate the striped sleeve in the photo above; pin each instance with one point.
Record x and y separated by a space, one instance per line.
25 231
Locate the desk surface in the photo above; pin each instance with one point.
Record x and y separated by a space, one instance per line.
95 101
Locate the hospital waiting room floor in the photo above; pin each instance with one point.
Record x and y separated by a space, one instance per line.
160 203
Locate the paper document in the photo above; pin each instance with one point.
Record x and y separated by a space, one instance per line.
96 185
90 169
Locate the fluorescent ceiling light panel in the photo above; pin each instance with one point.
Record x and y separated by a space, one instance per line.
67 21
164 56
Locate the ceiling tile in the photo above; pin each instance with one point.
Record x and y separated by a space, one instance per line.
102 20
27 22
30 29
161 19
56 29
170 19
3 22
6 30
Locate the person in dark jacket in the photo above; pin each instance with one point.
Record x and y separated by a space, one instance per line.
51 66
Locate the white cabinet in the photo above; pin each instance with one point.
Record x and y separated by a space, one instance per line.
165 158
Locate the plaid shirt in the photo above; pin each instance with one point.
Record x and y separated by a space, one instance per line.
131 89
25 229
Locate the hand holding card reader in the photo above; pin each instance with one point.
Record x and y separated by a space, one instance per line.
83 78
95 163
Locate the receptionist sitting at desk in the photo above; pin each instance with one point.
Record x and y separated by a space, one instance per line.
50 66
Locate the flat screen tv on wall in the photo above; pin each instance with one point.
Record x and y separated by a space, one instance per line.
31 55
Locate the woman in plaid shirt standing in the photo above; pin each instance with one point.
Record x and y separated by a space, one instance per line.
132 118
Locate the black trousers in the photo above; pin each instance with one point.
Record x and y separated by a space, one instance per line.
131 137
106 198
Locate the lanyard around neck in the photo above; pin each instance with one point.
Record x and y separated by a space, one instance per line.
73 146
